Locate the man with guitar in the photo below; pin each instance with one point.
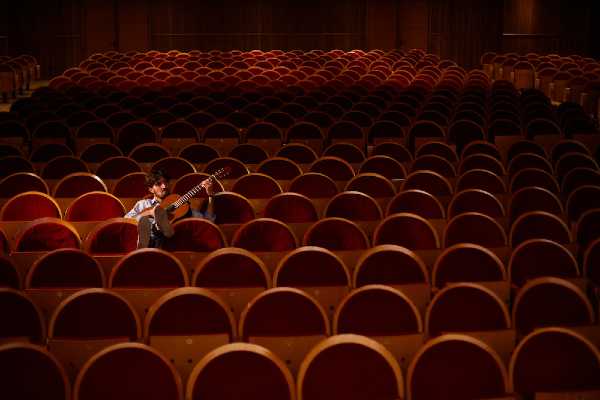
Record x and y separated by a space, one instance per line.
155 214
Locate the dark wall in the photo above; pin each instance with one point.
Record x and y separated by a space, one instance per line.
547 26
63 32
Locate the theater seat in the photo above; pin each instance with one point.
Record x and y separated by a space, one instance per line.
128 369
88 321
31 372
456 366
350 367
44 234
287 321
187 323
259 375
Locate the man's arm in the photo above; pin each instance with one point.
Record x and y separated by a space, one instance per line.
138 212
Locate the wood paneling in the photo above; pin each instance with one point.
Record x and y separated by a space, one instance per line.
462 30
266 24
547 26
60 33
133 27
382 24
99 26
413 24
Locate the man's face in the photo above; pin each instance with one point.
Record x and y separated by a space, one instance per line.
160 189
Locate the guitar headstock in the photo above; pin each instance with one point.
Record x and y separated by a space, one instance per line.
221 173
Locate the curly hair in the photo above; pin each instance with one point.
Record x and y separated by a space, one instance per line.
154 177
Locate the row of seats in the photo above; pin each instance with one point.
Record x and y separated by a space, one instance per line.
335 307
247 200
573 78
302 226
546 277
344 366
340 162
564 156
506 115
537 257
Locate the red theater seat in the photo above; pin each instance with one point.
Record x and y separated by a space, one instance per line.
363 369
187 323
195 234
261 375
119 370
95 206
31 372
44 234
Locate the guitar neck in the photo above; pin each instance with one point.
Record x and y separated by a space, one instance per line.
186 197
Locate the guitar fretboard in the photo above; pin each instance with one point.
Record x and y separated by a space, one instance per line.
196 189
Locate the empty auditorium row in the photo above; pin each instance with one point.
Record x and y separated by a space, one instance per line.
97 337
571 78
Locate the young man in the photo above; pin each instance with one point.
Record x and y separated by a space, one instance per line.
153 222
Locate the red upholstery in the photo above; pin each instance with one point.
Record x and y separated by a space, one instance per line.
31 372
29 206
195 234
114 236
95 206
46 234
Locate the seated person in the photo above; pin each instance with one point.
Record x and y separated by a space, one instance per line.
153 222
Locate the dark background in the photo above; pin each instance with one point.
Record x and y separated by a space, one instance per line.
60 33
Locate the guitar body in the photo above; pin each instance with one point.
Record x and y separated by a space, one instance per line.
177 213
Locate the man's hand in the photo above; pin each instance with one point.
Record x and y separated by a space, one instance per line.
208 186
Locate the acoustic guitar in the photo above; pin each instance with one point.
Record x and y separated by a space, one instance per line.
178 206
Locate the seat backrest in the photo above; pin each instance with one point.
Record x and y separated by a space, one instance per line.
148 268
256 186
456 366
467 262
474 227
549 301
407 230
352 205
195 234
21 182
541 257
65 268
29 206
77 184
122 369
47 233
350 367
265 234
329 269
336 234
189 311
290 207
539 225
314 185
94 313
21 317
461 307
260 375
475 200
377 310
95 206
553 360
428 181
113 236
384 165
31 372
